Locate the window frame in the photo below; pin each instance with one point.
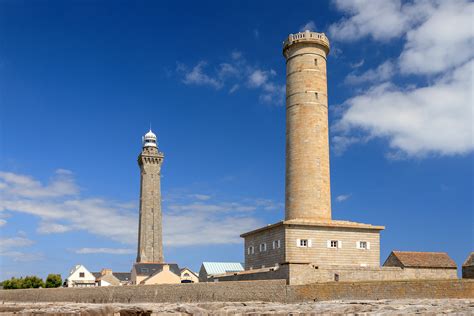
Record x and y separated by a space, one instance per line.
250 250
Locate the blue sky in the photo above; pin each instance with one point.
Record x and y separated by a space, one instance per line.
81 81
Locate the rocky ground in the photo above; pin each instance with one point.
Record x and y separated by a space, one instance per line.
381 307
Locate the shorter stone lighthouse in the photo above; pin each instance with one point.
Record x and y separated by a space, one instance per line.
150 267
150 231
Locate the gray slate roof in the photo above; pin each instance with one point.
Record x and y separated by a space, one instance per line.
153 268
122 276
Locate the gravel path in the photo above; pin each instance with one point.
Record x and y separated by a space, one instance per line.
381 307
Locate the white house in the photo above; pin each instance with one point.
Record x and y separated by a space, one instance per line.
80 277
188 276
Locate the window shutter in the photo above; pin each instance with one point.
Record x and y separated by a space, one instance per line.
298 242
309 243
329 244
358 244
339 244
368 245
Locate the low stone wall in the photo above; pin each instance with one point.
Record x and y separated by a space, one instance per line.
268 291
299 274
307 274
433 289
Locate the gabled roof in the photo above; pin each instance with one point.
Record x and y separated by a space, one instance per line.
122 276
469 261
75 268
185 268
222 267
149 269
415 259
110 278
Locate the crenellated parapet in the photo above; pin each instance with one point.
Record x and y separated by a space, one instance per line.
307 36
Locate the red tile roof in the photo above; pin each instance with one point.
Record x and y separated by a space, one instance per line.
469 261
414 259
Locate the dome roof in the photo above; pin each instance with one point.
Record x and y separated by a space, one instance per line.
149 140
150 135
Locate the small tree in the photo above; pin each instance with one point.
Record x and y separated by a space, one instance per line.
32 281
53 280
13 283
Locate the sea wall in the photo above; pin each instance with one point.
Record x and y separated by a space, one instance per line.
269 291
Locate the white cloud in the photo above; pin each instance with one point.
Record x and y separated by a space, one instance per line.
197 76
310 26
382 73
201 197
258 77
234 88
52 228
199 229
2 222
343 197
19 185
14 242
444 41
189 219
358 64
11 247
382 20
110 251
236 73
434 119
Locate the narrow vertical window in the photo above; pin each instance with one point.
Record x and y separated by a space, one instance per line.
315 62
316 95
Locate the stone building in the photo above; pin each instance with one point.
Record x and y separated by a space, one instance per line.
308 245
433 265
468 267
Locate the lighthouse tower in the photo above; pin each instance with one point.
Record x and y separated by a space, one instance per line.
309 239
307 192
150 235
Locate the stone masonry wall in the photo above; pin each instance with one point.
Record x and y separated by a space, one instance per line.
270 256
269 291
319 253
307 274
307 192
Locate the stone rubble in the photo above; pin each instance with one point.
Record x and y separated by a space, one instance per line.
355 307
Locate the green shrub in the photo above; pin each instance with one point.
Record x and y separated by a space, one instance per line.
53 280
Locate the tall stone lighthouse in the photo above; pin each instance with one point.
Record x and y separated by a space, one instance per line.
307 194
150 235
308 239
